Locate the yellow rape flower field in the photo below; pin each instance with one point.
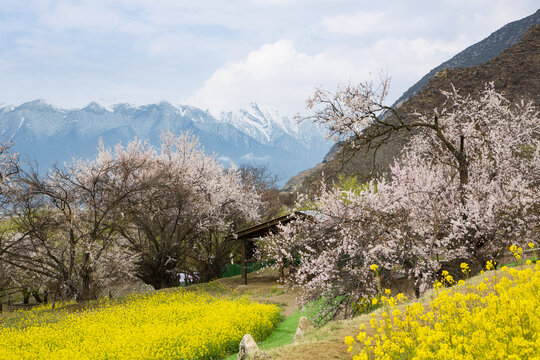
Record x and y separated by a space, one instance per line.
498 318
163 325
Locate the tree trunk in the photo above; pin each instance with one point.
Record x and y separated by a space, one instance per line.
36 296
86 278
157 274
26 296
463 165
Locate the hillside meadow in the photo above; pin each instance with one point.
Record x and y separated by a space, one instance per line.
494 313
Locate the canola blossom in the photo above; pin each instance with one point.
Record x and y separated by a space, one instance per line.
497 319
165 325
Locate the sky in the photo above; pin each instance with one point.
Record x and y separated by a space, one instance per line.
223 54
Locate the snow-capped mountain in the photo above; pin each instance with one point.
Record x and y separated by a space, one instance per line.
51 135
267 125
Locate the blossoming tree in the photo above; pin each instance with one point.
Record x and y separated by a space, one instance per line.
179 222
133 211
466 187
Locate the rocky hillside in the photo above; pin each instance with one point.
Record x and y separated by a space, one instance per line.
481 52
515 73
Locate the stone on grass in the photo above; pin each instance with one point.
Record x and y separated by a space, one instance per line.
249 350
304 326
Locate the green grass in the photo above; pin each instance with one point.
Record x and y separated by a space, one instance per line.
282 335
521 262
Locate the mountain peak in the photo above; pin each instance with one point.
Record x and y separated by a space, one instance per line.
250 135
36 104
94 107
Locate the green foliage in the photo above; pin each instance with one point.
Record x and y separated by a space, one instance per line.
319 312
534 260
350 184
365 306
308 204
8 225
527 151
236 269
275 290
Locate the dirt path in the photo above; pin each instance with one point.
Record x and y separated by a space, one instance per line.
264 286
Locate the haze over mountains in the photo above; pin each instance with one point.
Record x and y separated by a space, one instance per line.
49 135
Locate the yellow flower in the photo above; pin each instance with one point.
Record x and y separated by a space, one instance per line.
461 324
387 291
531 245
349 340
481 287
374 267
166 325
374 301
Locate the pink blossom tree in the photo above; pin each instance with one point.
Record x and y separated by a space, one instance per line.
466 187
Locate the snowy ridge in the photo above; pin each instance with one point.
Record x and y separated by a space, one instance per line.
266 125
53 135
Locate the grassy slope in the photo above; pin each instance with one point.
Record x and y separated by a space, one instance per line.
327 342
282 335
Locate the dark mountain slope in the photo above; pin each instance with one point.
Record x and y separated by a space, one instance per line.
515 73
481 52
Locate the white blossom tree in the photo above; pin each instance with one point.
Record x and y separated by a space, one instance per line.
181 221
132 211
68 221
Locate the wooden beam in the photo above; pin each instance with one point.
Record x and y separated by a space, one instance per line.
244 264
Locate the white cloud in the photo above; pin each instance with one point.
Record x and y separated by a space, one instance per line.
275 2
141 51
250 156
358 23
279 76
276 75
376 23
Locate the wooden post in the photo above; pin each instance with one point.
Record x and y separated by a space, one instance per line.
244 265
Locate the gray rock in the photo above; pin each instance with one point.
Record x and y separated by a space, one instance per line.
304 326
249 350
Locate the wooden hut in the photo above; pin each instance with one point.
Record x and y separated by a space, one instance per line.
247 236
